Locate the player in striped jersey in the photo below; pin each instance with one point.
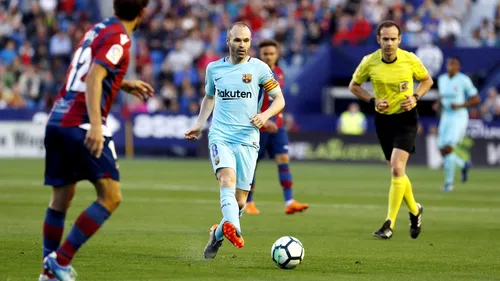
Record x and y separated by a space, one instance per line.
78 143
274 138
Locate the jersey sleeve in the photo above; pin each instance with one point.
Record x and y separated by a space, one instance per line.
362 72
209 82
418 68
470 89
111 53
267 80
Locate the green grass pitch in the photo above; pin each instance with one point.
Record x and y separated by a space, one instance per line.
161 228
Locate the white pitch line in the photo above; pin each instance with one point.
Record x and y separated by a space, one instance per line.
213 189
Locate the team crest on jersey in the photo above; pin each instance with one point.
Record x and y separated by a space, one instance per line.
217 161
403 86
247 78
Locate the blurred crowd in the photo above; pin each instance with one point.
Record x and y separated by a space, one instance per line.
440 22
178 38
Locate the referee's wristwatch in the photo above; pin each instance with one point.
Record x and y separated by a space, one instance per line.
417 97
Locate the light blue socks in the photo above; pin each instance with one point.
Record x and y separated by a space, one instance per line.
230 210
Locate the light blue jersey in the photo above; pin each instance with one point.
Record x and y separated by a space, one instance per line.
238 91
453 123
455 90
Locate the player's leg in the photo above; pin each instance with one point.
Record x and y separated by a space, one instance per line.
224 166
246 161
53 225
445 140
450 136
103 173
279 151
251 208
89 222
59 174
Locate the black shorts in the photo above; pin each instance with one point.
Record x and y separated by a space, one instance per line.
397 131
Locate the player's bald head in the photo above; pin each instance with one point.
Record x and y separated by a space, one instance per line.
239 29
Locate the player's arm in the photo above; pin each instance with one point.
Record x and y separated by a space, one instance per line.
94 139
272 87
207 106
471 92
137 88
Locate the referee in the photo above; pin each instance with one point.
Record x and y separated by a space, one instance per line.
391 71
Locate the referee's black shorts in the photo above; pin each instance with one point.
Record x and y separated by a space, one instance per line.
397 131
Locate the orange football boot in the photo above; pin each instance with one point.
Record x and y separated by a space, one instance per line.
251 209
233 235
295 207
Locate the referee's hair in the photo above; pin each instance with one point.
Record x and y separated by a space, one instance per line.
387 24
268 42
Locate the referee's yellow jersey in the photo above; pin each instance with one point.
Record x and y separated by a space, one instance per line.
391 81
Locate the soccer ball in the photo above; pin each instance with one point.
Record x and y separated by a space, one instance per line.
287 252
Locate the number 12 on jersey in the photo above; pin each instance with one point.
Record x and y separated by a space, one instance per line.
79 67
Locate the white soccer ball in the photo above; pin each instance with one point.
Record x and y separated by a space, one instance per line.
287 252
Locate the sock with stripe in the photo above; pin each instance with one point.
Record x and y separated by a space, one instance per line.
230 210
53 228
85 226
396 194
286 182
409 199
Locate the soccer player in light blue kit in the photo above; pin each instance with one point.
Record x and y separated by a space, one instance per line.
457 93
234 88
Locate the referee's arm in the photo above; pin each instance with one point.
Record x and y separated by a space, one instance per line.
424 86
422 75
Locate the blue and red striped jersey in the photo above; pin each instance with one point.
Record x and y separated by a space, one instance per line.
106 43
279 75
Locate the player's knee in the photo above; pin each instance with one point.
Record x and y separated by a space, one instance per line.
111 200
241 202
109 194
227 177
282 159
446 150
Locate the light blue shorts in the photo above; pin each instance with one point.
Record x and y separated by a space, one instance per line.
451 131
241 158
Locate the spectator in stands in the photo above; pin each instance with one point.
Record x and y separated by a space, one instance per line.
8 54
449 29
29 86
490 109
352 121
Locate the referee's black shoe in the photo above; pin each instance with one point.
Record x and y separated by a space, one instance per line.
385 232
416 222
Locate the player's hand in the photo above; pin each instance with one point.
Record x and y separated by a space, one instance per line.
381 105
94 140
270 126
408 103
258 120
138 88
193 133
455 106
